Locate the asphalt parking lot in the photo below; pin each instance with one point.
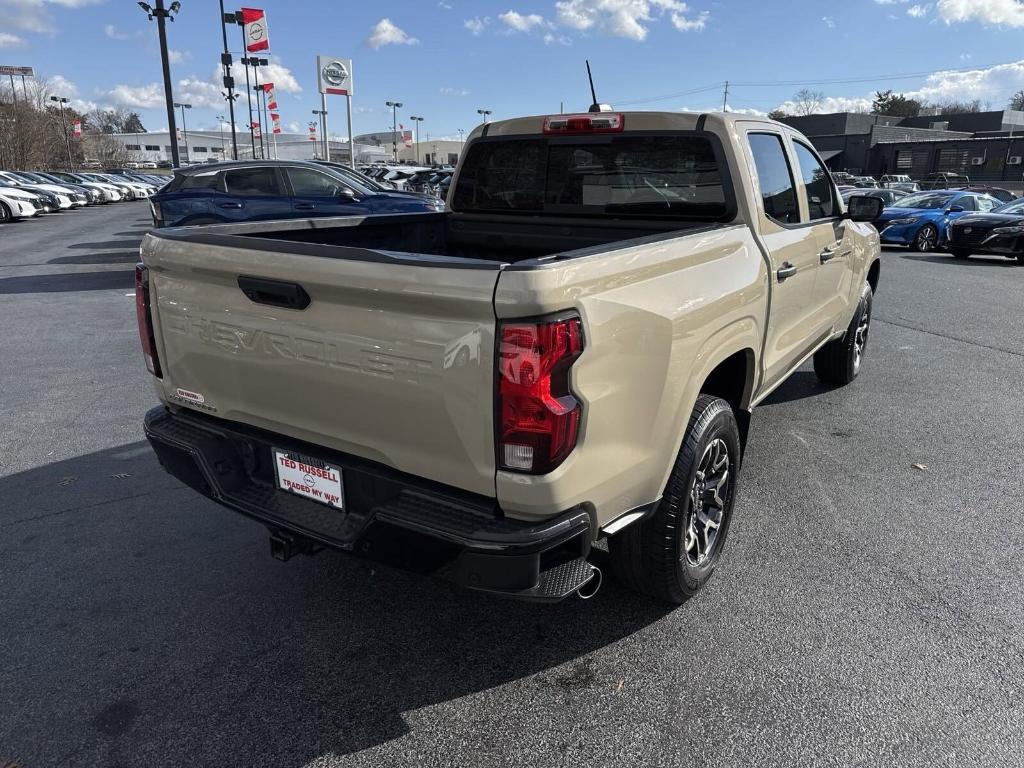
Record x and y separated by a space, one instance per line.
869 609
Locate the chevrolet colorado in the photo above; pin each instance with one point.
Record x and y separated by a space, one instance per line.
570 351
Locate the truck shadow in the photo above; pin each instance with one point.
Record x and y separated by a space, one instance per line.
802 384
71 281
147 582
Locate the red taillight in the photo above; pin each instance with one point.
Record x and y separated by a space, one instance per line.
142 313
539 417
596 122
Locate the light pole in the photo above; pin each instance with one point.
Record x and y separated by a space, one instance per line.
229 81
394 126
184 128
220 124
255 63
485 112
418 121
61 101
162 15
322 117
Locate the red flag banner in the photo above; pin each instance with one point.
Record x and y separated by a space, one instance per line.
255 130
78 129
276 120
257 36
312 133
270 95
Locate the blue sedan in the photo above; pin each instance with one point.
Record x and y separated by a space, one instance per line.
920 220
275 189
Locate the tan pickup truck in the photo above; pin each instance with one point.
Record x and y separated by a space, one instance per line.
570 351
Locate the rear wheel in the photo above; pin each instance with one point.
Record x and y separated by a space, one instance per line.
926 239
839 361
672 554
960 253
5 213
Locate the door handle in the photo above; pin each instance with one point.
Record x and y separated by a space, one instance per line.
304 206
786 271
230 205
827 255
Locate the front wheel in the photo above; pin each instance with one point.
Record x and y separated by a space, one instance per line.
926 239
672 554
839 361
5 213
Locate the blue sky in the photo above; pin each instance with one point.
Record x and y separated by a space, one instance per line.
444 59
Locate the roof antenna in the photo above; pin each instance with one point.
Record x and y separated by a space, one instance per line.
594 106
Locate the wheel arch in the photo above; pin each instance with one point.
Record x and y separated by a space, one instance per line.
874 271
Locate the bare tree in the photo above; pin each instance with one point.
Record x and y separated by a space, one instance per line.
1016 101
807 102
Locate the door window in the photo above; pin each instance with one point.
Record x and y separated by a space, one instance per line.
252 182
307 182
774 177
967 202
986 204
820 202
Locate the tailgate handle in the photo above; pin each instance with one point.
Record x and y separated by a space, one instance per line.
276 293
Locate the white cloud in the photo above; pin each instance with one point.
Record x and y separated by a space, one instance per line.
1003 12
114 34
833 104
829 22
138 96
386 33
176 57
275 72
625 18
918 11
443 4
293 127
447 91
7 40
477 25
35 15
518 22
553 39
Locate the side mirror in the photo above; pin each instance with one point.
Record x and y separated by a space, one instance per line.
955 209
864 208
347 193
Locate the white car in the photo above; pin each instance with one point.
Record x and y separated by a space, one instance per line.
13 207
65 197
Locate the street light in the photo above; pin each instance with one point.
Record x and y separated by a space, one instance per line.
485 113
184 128
220 124
322 117
162 15
61 101
418 121
255 63
394 126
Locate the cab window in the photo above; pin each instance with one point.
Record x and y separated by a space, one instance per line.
774 177
252 182
817 183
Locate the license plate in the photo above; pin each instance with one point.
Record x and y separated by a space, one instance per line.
310 478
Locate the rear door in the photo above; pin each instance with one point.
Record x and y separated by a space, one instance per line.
392 359
793 247
251 194
315 193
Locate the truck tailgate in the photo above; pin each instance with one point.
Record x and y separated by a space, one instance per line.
392 359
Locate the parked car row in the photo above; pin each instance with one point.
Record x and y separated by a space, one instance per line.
24 194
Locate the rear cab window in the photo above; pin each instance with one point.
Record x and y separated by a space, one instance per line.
664 176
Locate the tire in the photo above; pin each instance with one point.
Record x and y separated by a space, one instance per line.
665 556
839 361
960 253
1020 259
5 214
926 239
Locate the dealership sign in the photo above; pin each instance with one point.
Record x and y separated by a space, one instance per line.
334 75
18 71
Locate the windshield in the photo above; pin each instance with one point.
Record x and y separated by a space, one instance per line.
675 176
925 200
1015 206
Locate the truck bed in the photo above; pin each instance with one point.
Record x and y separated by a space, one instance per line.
475 237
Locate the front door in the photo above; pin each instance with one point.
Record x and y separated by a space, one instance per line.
315 193
793 250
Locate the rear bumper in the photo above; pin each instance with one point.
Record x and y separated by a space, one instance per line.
389 517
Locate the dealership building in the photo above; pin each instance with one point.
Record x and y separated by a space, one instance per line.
987 147
213 146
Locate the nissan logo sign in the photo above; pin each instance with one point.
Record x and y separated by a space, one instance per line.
335 73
